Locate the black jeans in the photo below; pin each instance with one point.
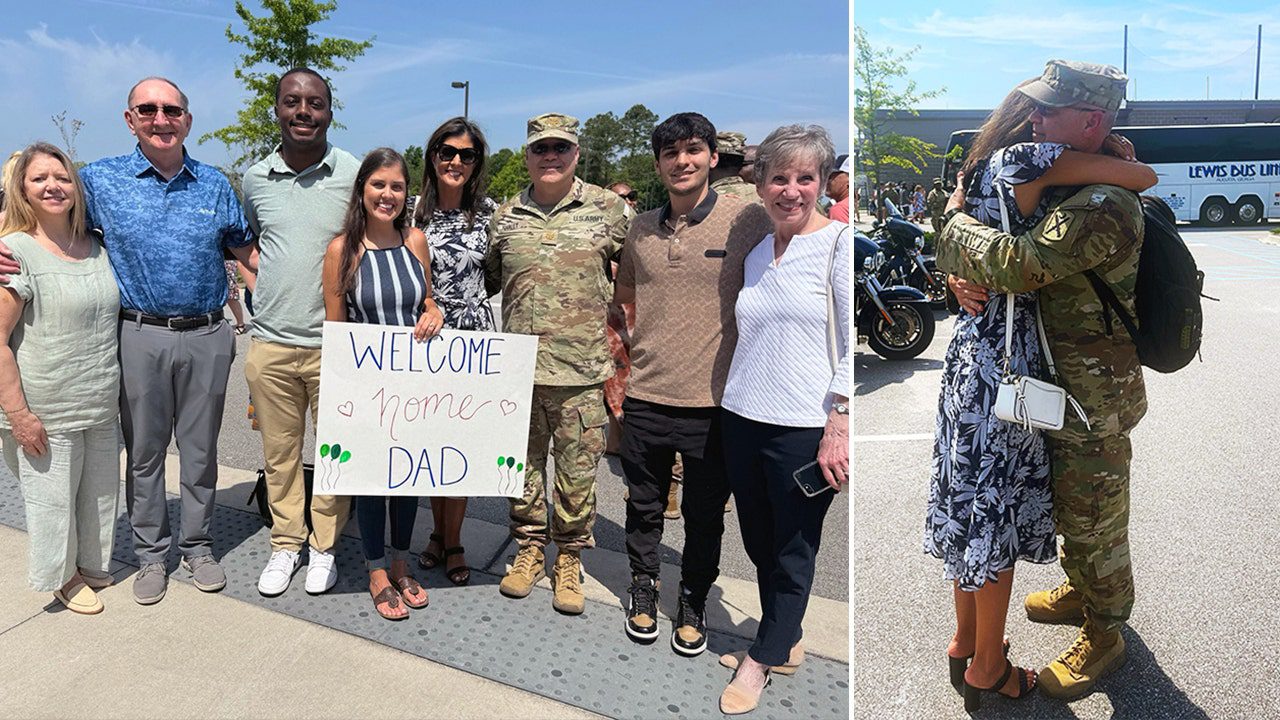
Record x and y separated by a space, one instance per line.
652 434
371 514
781 527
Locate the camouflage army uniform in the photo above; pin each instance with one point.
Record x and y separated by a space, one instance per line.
1098 227
551 270
737 187
936 204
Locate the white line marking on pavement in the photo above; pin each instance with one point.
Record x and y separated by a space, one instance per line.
892 438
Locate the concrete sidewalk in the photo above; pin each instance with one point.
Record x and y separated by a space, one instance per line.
197 655
235 654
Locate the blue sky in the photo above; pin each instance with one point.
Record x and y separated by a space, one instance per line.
747 66
980 50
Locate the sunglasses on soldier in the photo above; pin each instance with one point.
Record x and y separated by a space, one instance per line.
542 148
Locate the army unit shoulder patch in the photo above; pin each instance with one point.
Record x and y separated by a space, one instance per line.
1056 227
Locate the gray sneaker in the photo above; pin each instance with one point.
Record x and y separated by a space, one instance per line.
150 584
206 573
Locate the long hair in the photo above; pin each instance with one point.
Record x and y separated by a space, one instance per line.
19 216
473 196
1007 125
353 226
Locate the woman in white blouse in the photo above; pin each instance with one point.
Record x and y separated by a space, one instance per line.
786 414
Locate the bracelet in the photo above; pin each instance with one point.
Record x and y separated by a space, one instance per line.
10 412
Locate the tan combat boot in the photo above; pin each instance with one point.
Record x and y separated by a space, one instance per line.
672 512
1094 653
529 567
1063 604
566 581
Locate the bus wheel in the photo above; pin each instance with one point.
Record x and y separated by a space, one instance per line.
1248 211
1215 211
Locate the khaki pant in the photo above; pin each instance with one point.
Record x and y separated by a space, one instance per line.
572 420
285 380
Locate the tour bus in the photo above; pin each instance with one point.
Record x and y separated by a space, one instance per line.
1214 174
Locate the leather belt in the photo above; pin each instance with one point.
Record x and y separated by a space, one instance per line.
189 322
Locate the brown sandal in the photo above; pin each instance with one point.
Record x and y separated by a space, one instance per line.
460 575
408 586
391 599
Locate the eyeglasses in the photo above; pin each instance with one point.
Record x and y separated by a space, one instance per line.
632 196
447 153
541 148
1050 111
149 110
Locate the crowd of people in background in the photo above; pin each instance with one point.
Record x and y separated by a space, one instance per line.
116 277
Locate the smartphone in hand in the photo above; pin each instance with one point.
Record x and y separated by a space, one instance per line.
810 480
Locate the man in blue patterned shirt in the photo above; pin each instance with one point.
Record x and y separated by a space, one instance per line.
165 220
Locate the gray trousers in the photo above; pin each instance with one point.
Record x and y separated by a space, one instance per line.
173 383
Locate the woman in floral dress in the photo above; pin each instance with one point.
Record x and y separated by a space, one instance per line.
990 501
454 213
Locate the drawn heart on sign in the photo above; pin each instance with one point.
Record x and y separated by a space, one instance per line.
346 409
507 407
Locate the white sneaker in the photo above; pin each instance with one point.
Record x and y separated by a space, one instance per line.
278 572
321 572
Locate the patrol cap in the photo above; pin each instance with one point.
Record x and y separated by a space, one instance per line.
1066 82
731 143
553 125
937 181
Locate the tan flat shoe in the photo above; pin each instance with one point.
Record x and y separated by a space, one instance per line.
80 599
738 699
734 659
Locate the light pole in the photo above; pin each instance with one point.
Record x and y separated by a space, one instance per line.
466 97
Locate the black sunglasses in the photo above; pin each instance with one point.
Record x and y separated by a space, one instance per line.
149 110
632 196
559 148
447 153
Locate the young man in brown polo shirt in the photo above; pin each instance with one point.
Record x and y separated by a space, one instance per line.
682 267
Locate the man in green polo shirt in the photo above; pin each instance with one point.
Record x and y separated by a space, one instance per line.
549 249
295 200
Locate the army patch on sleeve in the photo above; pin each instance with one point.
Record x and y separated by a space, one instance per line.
1057 227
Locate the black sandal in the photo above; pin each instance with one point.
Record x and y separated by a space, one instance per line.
973 695
408 585
959 665
460 575
428 559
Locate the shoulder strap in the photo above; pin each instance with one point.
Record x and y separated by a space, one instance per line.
833 352
1109 299
1008 309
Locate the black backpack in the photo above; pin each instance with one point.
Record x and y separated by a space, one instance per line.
1167 295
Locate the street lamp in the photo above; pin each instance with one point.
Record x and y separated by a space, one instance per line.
466 97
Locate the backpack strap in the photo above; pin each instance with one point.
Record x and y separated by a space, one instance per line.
1109 300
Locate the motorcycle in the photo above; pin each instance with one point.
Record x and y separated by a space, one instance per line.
905 263
896 321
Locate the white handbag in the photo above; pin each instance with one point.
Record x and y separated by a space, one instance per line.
1023 400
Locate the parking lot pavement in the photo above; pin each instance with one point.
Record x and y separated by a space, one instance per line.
1204 638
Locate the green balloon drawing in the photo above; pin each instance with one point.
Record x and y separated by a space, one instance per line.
519 467
324 450
335 451
501 461
511 462
346 455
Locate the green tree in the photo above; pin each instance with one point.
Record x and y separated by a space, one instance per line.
276 43
877 100
511 179
637 125
414 159
599 141
495 162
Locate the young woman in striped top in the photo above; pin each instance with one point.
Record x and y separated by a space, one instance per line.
379 271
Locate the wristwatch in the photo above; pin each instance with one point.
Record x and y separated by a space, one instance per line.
946 218
840 408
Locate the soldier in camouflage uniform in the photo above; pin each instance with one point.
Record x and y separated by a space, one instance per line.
936 204
549 249
1098 227
725 176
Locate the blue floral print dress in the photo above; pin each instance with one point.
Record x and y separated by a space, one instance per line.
990 501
